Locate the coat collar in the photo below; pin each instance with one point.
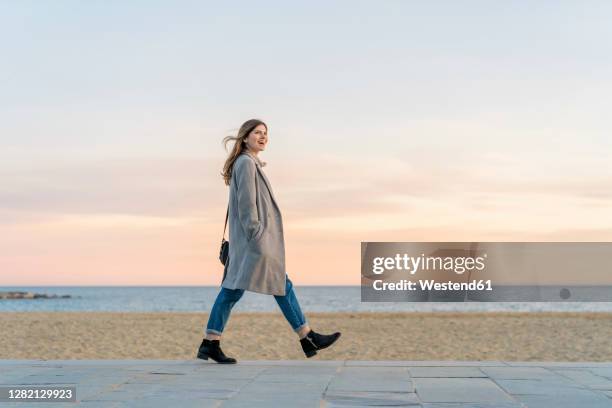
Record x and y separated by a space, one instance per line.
259 164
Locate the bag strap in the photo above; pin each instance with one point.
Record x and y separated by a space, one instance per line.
226 217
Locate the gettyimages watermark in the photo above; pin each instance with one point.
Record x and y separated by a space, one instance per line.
486 271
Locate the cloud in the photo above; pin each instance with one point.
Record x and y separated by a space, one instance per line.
147 187
336 186
327 191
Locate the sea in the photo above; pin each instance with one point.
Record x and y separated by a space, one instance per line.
201 299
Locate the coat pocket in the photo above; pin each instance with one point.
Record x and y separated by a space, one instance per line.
259 233
263 226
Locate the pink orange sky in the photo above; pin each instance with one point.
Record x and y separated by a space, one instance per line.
400 124
157 222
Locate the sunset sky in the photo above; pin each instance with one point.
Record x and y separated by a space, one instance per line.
388 121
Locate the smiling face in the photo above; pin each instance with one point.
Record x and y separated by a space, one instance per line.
257 140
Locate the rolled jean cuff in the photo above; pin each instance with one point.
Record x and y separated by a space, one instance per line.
297 330
213 331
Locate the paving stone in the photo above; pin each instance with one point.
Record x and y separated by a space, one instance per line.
99 404
459 390
590 400
235 372
602 372
390 379
295 377
290 363
446 372
277 395
193 393
519 373
587 378
273 402
473 405
560 364
539 387
370 398
154 402
402 363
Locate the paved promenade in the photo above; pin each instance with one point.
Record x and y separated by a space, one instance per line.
427 384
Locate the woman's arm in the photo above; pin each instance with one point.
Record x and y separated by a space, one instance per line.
246 189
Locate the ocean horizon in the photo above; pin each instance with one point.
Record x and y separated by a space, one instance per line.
312 298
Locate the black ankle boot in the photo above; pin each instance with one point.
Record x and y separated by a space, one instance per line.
315 341
212 349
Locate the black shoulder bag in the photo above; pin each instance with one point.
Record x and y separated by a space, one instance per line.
224 252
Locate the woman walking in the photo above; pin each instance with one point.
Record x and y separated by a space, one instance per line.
257 252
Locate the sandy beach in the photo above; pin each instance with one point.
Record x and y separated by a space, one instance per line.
365 336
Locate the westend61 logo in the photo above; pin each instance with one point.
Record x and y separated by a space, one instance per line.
459 265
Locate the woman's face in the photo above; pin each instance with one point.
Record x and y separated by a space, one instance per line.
257 139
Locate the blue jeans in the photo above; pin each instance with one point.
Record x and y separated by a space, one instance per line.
227 298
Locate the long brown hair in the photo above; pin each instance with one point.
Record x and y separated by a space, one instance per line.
239 146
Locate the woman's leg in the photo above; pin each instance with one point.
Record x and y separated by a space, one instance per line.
220 313
291 309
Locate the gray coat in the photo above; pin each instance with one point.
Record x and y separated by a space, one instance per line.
257 246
